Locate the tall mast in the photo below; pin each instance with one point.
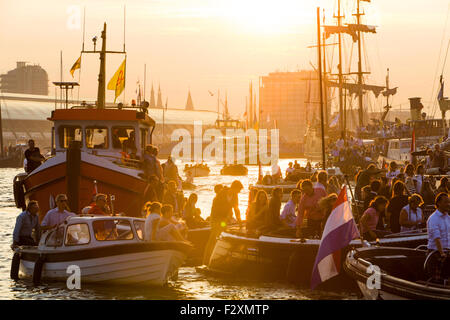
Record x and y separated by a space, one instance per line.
360 72
101 75
341 104
325 76
319 54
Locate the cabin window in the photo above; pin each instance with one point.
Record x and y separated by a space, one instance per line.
124 138
144 134
394 145
139 226
112 230
68 134
97 138
405 145
55 238
77 234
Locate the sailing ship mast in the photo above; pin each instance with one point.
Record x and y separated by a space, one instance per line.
341 104
355 31
319 58
101 92
360 72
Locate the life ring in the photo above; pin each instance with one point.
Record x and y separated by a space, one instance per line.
15 265
37 272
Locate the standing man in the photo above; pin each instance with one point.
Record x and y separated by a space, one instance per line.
309 208
233 199
223 205
33 156
26 223
438 226
57 215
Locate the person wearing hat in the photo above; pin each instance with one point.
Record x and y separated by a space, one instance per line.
364 179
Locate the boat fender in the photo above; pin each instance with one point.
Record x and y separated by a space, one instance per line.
19 194
15 265
37 272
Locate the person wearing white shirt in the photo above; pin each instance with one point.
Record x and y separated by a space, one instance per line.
420 171
152 222
288 215
438 226
57 215
411 215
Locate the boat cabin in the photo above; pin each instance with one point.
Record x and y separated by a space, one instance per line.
93 231
104 132
399 149
429 127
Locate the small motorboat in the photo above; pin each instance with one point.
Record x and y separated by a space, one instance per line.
106 249
402 273
188 185
234 170
197 170
283 257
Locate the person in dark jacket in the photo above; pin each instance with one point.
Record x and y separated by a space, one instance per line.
398 201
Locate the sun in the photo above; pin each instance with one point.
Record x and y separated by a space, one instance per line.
269 16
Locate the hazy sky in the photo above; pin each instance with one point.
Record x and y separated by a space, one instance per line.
209 44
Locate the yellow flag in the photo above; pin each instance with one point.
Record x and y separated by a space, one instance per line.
76 65
117 82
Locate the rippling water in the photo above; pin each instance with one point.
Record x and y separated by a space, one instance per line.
192 283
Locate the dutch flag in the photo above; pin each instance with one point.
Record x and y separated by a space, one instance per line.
339 230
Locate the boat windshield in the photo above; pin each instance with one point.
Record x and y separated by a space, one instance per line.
123 135
112 229
77 234
67 134
97 138
139 226
55 238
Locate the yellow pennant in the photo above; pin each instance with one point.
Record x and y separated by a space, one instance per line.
76 65
117 82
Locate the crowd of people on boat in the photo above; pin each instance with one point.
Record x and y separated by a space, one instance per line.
393 130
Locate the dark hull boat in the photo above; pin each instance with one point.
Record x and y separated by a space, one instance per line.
234 170
404 273
278 258
198 238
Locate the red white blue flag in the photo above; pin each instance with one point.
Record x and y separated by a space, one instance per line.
340 229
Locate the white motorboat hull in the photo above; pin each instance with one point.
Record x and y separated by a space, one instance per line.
144 268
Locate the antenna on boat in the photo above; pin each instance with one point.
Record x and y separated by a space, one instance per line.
124 24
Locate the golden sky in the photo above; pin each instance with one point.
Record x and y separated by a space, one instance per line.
205 45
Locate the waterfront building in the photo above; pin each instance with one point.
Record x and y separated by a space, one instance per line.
289 101
25 78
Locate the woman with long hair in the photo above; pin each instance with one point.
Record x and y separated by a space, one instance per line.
369 220
397 202
427 193
258 207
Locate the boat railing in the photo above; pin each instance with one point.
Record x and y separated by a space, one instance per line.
133 163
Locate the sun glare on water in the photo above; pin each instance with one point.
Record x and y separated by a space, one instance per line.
269 16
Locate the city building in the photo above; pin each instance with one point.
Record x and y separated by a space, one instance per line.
25 78
290 101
